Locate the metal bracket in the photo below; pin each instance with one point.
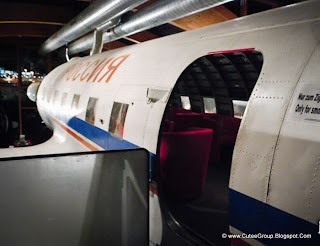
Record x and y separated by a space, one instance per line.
97 42
67 54
109 24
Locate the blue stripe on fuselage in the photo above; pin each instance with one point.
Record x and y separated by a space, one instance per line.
100 137
104 139
252 216
245 213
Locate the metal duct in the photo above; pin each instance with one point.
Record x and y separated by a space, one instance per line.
92 17
158 13
87 41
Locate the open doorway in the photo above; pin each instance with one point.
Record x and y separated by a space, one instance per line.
197 138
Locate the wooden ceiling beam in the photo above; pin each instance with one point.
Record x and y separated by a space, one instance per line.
132 40
141 37
204 18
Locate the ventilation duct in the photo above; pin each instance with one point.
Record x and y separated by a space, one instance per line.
98 14
158 13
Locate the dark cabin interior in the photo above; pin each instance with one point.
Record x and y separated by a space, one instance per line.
198 134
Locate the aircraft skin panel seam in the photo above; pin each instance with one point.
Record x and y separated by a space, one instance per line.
307 211
145 125
240 132
269 174
239 138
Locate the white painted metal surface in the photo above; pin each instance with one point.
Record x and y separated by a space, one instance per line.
276 157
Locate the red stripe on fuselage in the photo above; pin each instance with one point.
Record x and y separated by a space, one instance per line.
80 139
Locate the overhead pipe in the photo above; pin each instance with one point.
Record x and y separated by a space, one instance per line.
156 14
96 15
87 41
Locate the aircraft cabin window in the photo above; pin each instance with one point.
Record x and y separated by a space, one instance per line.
118 117
239 107
90 113
185 101
55 96
63 99
75 102
209 105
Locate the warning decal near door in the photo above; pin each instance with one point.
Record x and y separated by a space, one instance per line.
305 104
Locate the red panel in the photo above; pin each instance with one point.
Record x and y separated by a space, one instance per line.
184 159
230 51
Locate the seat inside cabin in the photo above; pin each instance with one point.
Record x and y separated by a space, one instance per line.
197 138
